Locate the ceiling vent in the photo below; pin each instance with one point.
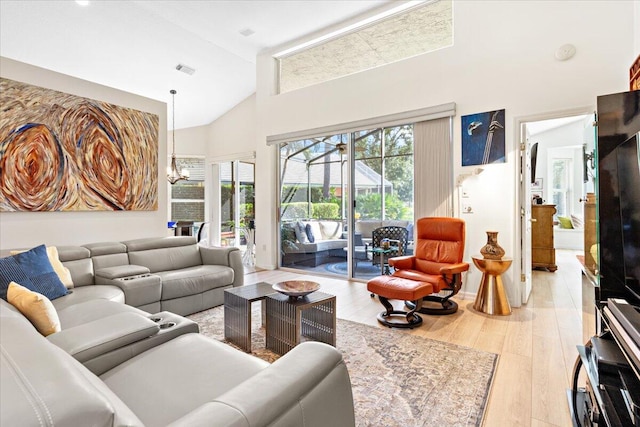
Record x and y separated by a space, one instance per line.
246 32
185 69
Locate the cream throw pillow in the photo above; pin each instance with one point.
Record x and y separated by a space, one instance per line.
35 307
63 272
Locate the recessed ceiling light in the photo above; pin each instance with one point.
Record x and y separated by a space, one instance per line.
246 32
83 2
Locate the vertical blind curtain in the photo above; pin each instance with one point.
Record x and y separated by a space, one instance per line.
433 170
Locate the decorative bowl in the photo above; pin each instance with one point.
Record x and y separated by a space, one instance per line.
296 288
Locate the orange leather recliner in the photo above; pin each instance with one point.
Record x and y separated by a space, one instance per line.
437 260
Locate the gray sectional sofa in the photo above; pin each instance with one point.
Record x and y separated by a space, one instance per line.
113 364
166 273
189 380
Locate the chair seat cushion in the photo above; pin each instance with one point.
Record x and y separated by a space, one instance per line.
436 281
392 287
87 293
88 311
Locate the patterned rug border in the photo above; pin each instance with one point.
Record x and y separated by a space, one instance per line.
380 366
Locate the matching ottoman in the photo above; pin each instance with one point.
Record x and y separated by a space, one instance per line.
391 287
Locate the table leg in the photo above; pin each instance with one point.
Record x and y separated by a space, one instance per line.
237 321
491 297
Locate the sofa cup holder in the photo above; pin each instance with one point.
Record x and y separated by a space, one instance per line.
167 325
156 319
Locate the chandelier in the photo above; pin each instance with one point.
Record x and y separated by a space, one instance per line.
173 175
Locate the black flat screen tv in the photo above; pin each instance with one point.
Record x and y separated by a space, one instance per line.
628 154
618 181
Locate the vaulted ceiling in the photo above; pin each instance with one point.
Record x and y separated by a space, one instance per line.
135 46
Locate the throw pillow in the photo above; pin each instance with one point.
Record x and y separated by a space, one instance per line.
301 232
309 232
63 272
35 307
565 222
33 270
577 221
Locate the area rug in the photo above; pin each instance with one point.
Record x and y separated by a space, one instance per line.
362 268
398 379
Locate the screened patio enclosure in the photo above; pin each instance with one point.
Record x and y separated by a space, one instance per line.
335 189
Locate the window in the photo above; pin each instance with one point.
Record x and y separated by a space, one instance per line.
422 29
187 196
318 183
561 187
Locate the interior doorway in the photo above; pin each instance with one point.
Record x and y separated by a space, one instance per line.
556 179
232 220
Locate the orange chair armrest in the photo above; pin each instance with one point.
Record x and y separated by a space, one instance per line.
402 262
454 269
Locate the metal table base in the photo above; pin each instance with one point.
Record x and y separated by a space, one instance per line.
237 312
289 320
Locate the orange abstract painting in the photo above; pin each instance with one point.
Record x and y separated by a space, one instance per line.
61 152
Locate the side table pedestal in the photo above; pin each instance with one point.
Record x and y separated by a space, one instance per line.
491 297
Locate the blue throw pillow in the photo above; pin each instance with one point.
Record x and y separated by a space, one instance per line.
309 233
32 270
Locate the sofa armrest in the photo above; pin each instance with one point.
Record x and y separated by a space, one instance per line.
89 340
454 269
229 256
120 271
308 386
402 262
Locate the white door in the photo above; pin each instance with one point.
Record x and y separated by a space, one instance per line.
525 213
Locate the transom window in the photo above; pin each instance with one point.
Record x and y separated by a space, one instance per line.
422 29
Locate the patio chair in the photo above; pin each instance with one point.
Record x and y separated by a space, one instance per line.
399 237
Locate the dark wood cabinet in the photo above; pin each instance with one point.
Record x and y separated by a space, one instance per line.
590 237
543 252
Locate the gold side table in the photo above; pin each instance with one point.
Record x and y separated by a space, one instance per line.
491 297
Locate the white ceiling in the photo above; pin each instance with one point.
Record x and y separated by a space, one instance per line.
135 46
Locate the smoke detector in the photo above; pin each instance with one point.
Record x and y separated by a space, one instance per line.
565 52
185 69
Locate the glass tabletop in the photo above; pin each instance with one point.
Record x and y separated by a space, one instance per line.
389 250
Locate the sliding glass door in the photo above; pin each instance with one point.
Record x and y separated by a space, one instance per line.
233 220
383 189
336 190
313 181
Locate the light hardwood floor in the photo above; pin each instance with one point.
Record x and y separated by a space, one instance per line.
536 343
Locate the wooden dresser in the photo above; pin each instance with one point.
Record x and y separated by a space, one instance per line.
590 236
543 252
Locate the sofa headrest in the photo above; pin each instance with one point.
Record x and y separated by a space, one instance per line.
159 243
106 248
72 253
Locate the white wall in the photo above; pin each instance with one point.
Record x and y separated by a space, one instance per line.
235 131
503 57
25 229
189 141
232 133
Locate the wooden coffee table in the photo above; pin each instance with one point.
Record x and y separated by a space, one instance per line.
237 312
289 320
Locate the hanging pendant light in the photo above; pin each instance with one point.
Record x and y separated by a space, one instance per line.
173 175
